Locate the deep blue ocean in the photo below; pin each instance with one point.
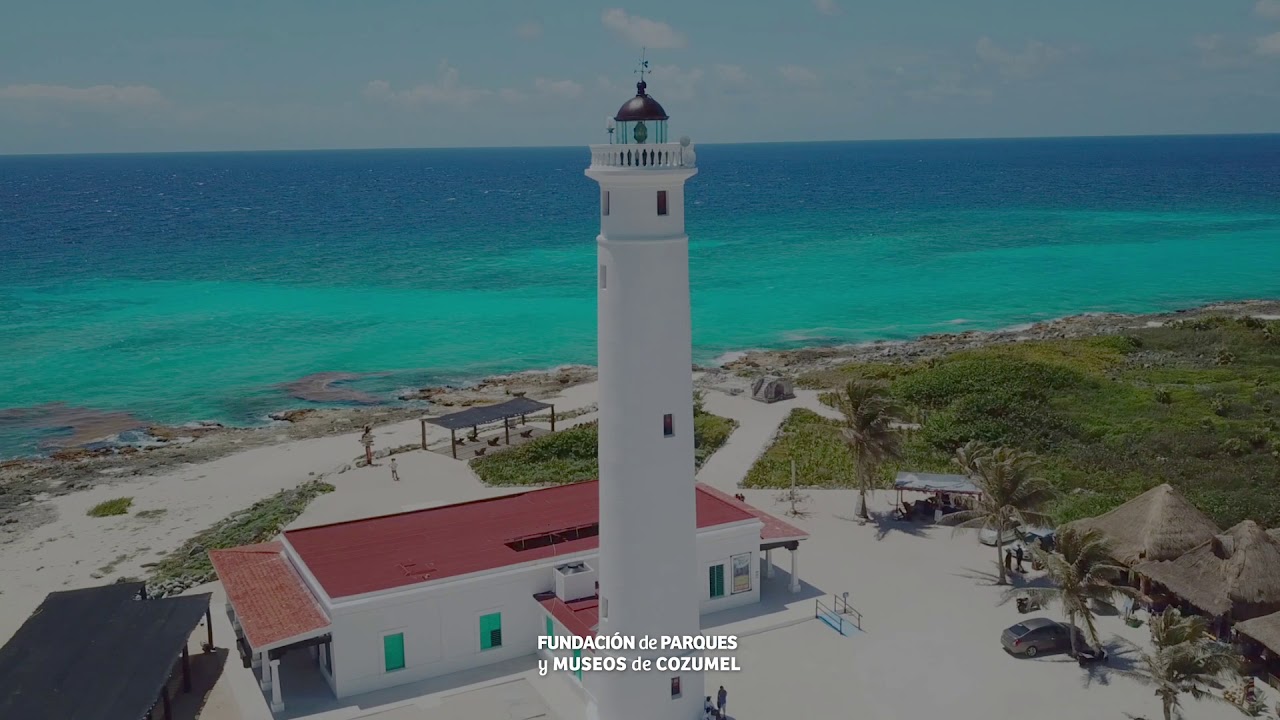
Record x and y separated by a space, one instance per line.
184 287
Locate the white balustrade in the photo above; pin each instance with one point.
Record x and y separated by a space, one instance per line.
638 157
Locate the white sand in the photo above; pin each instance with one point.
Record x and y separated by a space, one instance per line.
931 646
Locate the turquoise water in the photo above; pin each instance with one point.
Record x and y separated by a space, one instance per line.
192 287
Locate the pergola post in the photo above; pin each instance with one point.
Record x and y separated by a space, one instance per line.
186 669
768 563
208 623
506 428
553 418
424 433
453 442
277 699
795 567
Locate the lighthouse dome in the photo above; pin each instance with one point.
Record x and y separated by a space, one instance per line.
641 107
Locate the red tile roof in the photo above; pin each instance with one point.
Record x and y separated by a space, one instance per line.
270 600
381 553
774 530
580 617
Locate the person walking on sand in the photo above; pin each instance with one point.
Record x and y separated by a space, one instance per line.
395 470
366 439
722 700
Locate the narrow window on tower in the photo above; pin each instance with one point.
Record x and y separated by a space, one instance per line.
662 202
675 687
604 202
603 268
668 425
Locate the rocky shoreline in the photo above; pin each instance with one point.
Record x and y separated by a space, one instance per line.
24 483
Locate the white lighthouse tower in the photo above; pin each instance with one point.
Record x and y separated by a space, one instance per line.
648 568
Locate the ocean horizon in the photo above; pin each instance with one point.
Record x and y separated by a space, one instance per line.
181 287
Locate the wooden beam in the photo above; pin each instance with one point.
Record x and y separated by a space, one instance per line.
424 434
553 418
186 669
506 429
453 442
208 622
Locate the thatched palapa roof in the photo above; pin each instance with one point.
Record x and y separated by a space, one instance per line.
1159 524
1265 629
1237 572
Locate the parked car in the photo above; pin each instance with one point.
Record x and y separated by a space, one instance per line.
987 536
1025 536
1038 636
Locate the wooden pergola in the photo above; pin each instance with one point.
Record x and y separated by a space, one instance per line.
474 417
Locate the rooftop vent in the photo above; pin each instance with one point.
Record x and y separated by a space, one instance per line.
554 537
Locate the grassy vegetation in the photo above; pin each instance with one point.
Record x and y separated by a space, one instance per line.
1193 404
570 455
117 506
189 565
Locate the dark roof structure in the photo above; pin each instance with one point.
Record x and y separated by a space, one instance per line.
99 653
640 107
483 415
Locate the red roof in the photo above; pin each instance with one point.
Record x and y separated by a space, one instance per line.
363 556
774 530
580 617
270 600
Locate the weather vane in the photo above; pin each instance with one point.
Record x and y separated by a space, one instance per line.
644 65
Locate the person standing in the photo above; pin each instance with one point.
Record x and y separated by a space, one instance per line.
1017 555
366 439
395 470
722 700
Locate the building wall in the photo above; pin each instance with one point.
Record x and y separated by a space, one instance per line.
441 623
720 547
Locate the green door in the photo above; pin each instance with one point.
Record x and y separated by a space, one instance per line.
577 656
717 580
490 631
393 652
551 628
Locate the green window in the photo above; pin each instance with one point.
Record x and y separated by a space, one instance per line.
717 581
393 652
577 657
490 631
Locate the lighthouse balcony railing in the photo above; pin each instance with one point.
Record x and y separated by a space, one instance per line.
638 157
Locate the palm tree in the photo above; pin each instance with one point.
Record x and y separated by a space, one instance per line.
868 432
1081 571
1011 495
1185 659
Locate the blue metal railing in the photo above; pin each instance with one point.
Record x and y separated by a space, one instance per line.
839 615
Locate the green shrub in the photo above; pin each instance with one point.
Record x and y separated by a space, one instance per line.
1220 405
118 506
571 455
1233 446
1163 396
189 565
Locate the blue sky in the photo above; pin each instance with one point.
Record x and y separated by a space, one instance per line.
160 75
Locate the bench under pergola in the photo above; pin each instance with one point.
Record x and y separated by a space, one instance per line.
474 417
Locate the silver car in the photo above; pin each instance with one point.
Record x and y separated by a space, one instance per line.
1037 636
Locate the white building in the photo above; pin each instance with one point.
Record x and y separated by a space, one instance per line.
399 598
648 532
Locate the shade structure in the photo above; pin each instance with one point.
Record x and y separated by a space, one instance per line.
99 653
1264 629
934 483
483 415
1159 524
1236 573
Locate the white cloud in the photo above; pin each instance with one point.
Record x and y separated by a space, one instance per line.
567 89
642 32
1268 9
1207 43
670 81
530 30
97 96
1269 45
827 7
511 95
446 90
1031 60
798 75
731 75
